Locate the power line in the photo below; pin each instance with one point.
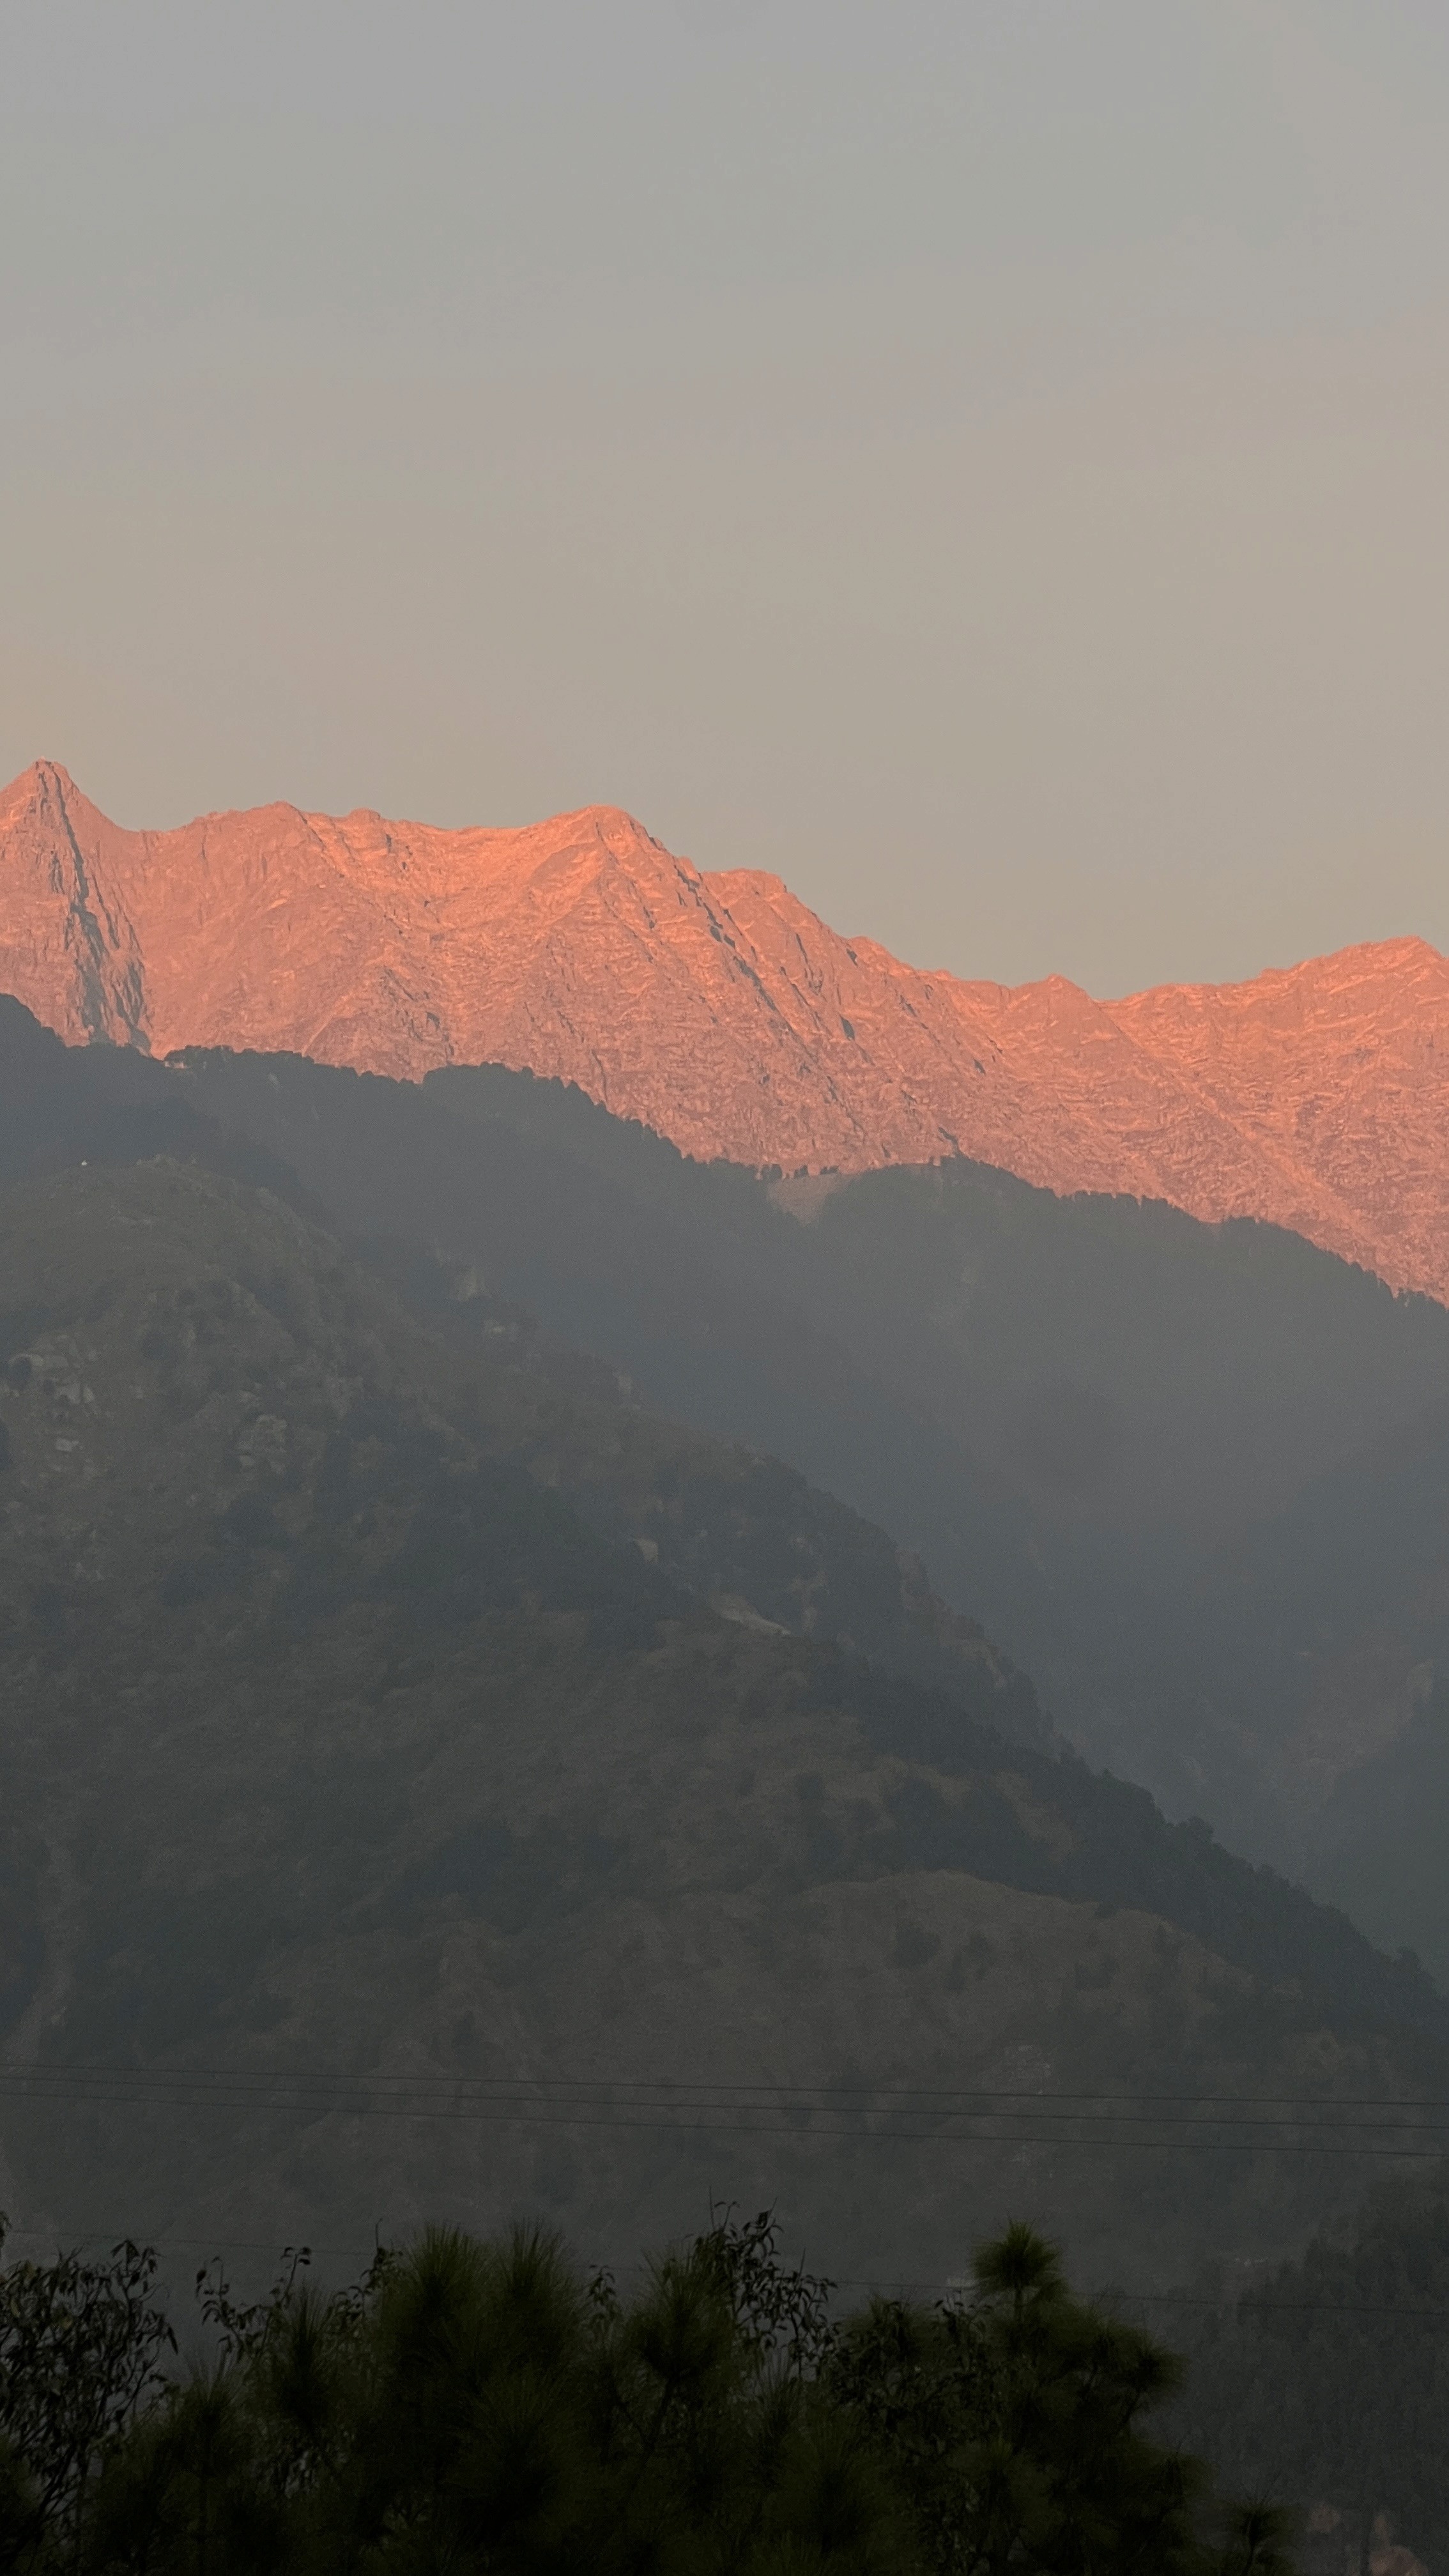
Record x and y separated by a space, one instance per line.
788 2116
838 2092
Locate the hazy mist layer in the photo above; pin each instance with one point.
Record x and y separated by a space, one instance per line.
983 462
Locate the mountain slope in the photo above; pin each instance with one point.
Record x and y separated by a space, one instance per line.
1129 1444
721 1012
1149 1456
351 1774
739 1529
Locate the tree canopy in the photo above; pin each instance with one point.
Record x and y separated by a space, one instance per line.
474 2405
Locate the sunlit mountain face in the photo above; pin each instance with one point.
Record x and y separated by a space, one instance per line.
719 1011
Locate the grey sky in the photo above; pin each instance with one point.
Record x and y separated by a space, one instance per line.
985 462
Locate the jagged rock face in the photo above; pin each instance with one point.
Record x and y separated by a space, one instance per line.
721 1012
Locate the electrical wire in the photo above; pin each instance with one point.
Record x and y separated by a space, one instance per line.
316 2079
668 2084
860 2114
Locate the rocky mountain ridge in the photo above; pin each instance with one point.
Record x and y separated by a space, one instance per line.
720 1011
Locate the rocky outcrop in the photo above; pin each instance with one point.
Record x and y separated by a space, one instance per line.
723 1013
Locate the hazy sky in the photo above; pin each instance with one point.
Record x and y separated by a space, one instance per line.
987 462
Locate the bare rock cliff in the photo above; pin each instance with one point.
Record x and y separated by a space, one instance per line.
724 1014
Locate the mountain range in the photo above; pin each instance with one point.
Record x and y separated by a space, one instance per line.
648 1561
499 1594
719 1011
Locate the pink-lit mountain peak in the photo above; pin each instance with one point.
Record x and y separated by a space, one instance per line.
722 1012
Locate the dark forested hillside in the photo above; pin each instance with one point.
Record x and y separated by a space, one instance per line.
742 1530
387 1830
1081 1414
1187 1477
